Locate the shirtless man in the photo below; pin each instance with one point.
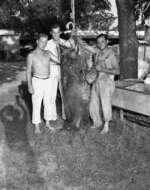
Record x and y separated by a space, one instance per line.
38 71
103 88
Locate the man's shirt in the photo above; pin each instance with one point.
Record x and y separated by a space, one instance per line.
54 50
110 61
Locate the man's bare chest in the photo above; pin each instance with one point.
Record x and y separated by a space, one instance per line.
41 61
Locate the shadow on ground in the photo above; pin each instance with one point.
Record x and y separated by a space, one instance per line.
78 160
9 70
20 160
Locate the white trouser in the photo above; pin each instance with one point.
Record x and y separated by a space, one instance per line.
55 76
53 84
41 92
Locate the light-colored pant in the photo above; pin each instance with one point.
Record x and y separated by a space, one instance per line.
41 92
101 101
53 85
55 75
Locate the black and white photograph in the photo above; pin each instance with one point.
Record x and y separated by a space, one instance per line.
74 94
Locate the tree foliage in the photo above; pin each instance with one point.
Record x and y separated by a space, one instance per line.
41 14
37 15
90 14
144 6
93 15
28 15
12 14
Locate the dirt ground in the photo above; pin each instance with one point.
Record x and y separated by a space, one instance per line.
67 160
9 70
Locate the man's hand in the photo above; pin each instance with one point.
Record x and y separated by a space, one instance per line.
74 32
57 62
30 89
98 67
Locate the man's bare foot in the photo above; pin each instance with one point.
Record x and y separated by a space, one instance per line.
106 128
37 129
93 127
48 125
63 116
96 126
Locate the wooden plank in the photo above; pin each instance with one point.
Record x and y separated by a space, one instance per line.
132 100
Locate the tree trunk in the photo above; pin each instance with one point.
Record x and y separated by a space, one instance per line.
127 39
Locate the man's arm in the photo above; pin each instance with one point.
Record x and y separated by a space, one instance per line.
53 57
54 60
87 47
115 65
67 43
29 73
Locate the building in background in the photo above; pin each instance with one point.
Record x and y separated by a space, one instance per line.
9 43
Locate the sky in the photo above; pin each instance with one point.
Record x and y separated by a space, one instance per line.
113 7
114 12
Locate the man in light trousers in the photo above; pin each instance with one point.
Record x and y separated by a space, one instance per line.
38 81
103 88
53 46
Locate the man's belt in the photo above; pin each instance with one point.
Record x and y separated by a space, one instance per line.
40 77
53 63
